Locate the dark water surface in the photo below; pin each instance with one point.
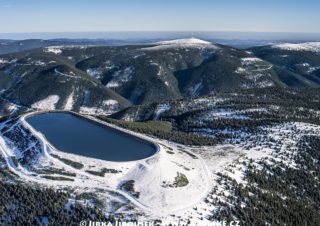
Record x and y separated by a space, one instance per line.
77 135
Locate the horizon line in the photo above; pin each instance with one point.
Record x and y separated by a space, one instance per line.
169 31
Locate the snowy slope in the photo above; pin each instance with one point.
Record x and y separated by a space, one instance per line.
48 103
308 46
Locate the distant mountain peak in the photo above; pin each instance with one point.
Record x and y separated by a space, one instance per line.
188 41
182 43
307 46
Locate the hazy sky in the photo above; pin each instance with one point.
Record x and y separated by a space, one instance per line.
161 15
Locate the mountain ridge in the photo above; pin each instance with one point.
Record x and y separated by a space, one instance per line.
143 74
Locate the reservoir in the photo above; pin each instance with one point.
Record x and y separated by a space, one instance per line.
77 135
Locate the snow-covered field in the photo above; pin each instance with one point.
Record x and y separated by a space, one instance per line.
154 178
274 144
157 180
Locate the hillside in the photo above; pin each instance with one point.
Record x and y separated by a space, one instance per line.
300 58
43 80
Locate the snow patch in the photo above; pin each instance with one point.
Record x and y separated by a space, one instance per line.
107 107
304 65
3 61
48 103
161 109
94 72
12 107
312 69
53 49
69 103
110 102
120 77
39 63
224 114
250 60
240 70
195 90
